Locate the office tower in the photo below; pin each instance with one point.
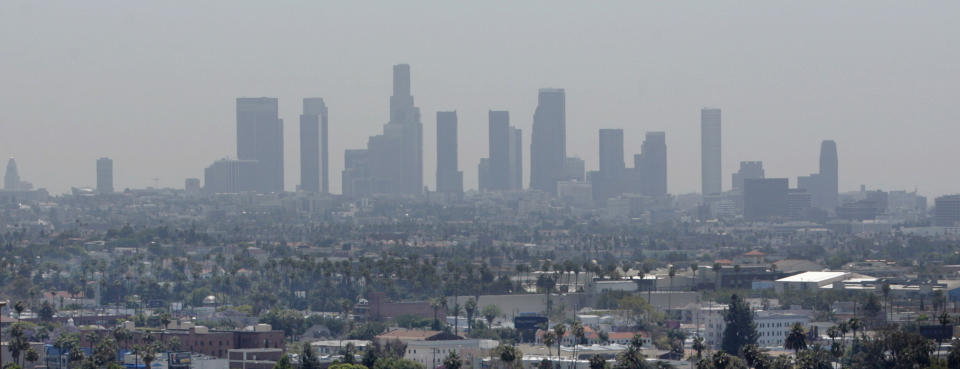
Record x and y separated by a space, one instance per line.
611 154
394 159
11 179
765 198
823 186
104 175
548 150
313 146
653 164
483 175
574 169
231 176
498 174
516 159
828 175
710 160
449 179
356 179
260 138
946 211
748 170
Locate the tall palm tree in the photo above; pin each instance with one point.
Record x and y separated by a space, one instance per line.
698 346
549 338
560 330
693 268
578 334
716 274
796 340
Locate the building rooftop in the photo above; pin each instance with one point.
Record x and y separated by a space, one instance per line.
812 277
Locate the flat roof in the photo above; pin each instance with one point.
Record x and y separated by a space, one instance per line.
812 277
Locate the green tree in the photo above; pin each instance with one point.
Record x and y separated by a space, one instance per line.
347 366
46 311
396 363
470 307
814 358
308 359
722 360
452 361
598 362
632 357
509 357
699 346
740 329
560 330
796 340
549 338
283 363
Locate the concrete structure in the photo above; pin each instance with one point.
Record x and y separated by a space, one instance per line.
710 152
104 175
449 178
230 176
393 160
811 280
313 146
548 141
254 358
516 159
823 186
431 354
946 212
748 170
498 150
260 138
765 198
652 164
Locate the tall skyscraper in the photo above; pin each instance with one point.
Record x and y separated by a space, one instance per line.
548 141
449 178
748 170
104 175
260 138
313 146
516 159
612 164
765 198
498 175
823 186
653 164
393 161
11 179
829 174
710 150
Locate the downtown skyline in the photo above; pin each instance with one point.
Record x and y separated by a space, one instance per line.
160 119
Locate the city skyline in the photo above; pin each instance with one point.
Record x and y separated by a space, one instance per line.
846 96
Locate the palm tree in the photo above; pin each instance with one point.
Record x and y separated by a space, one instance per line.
844 327
855 325
796 340
698 346
834 333
945 320
716 274
578 334
509 355
471 309
549 338
19 307
560 330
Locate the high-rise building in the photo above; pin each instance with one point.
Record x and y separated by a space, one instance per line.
548 141
710 150
356 179
748 170
192 186
653 164
313 146
394 159
260 138
449 178
946 211
612 164
823 186
829 174
11 179
231 176
765 198
574 169
498 174
516 159
105 175
483 174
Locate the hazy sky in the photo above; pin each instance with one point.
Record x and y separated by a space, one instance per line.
153 84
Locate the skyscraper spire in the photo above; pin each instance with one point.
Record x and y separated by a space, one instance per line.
11 180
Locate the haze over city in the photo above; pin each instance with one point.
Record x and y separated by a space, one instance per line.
153 85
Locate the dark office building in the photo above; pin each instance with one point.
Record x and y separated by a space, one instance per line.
313 146
260 138
516 159
765 198
652 164
946 211
104 175
548 141
449 178
612 164
824 186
